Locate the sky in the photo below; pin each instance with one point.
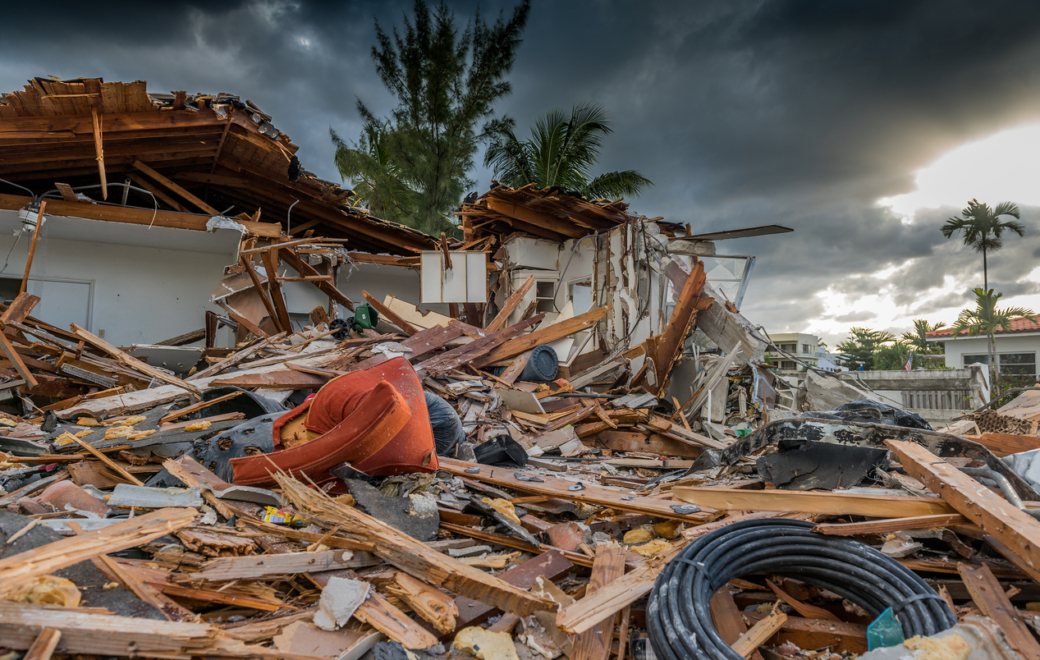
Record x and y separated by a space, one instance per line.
861 125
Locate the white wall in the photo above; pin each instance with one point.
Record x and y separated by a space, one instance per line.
955 350
141 295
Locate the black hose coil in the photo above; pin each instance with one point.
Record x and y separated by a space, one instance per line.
678 618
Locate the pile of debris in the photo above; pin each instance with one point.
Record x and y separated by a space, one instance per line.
585 454
445 493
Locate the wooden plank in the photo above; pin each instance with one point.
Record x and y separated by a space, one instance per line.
516 367
474 350
669 344
645 442
551 565
236 358
99 152
16 571
177 188
32 246
609 565
595 607
107 635
305 269
270 258
127 360
105 459
510 305
16 360
834 503
389 314
256 566
1003 444
253 329
725 615
19 309
258 286
992 602
43 647
886 526
559 488
109 213
412 556
430 603
195 407
158 192
1016 529
547 335
759 633
186 338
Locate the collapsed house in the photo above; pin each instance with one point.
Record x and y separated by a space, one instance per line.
285 428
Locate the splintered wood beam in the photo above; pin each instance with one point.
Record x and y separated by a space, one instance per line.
989 595
510 306
609 565
546 335
270 258
19 309
19 570
158 192
389 314
106 460
223 139
16 360
305 269
536 218
99 153
669 344
32 247
133 363
412 556
249 325
996 516
759 633
175 187
258 286
43 647
836 503
886 526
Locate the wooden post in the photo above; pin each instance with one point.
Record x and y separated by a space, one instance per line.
32 247
100 153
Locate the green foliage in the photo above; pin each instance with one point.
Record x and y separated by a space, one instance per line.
562 151
411 167
918 340
985 319
891 357
983 229
862 345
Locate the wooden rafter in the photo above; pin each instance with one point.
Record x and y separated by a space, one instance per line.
175 187
100 152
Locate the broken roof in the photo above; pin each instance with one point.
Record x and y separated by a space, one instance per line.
1017 325
221 151
552 213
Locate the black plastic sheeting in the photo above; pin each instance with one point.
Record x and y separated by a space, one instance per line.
871 412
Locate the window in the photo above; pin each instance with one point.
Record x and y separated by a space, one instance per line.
1021 364
1017 363
581 297
805 349
787 365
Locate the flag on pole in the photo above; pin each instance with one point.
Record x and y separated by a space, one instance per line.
909 362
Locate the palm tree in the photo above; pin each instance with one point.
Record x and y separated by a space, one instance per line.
983 228
985 319
562 151
918 338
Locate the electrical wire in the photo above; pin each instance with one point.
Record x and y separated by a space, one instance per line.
678 616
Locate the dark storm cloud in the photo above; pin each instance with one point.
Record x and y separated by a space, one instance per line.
797 112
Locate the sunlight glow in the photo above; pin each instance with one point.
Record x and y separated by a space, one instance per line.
1001 168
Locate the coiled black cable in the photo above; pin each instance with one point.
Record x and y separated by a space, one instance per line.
678 617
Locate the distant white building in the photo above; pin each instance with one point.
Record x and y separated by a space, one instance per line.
1016 349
